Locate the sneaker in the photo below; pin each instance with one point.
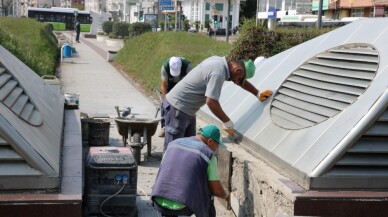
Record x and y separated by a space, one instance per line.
162 132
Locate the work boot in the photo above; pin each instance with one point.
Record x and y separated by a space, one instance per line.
162 132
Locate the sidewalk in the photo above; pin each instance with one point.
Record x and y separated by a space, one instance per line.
101 88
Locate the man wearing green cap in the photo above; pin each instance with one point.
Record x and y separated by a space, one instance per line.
188 176
203 86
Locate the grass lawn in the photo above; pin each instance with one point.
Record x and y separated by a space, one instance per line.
142 56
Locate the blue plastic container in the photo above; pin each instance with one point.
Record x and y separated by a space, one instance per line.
67 51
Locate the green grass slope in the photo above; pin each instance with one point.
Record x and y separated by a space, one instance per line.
30 41
142 56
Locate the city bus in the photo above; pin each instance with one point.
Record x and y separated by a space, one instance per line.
61 18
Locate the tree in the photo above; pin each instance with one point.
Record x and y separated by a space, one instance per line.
248 9
196 23
6 4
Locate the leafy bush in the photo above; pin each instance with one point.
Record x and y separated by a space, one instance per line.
107 27
113 36
138 28
257 41
161 23
207 24
186 25
120 29
38 51
197 24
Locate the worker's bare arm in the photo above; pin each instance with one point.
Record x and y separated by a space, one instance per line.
163 89
250 88
216 109
217 190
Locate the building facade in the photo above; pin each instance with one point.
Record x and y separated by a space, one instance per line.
202 11
357 8
193 10
332 9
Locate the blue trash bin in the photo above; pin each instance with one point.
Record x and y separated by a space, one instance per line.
67 51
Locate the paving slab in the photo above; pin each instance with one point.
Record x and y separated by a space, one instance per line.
102 87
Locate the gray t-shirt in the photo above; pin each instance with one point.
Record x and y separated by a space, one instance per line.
205 80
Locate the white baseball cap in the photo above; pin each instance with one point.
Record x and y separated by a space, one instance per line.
175 66
259 59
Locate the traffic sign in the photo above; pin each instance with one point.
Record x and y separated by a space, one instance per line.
271 13
165 2
164 8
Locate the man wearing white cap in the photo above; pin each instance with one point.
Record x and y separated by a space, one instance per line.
173 70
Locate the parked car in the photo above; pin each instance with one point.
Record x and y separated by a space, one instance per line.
221 31
193 30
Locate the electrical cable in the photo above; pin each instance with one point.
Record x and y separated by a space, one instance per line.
110 197
148 197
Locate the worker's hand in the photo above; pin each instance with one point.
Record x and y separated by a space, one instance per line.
227 197
263 95
229 127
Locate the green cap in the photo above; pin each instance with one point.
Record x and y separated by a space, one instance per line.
249 69
212 132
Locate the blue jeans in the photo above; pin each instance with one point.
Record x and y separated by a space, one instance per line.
178 124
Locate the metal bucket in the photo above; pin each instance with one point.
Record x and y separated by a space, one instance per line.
98 132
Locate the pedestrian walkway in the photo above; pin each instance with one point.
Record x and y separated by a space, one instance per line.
102 87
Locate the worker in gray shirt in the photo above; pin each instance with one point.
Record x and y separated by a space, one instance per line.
172 71
203 85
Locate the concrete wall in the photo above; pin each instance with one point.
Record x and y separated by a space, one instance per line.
258 190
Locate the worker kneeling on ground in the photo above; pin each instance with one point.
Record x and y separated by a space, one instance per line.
188 176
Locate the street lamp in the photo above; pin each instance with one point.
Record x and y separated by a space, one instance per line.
319 23
2 8
257 10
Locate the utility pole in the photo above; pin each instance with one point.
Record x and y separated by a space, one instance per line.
165 22
319 23
158 16
227 22
257 10
125 11
176 15
180 16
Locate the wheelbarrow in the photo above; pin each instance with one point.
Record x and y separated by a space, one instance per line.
136 133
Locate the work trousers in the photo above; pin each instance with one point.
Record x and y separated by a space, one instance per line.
183 212
178 124
162 114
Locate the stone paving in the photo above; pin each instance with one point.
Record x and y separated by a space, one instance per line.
102 87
